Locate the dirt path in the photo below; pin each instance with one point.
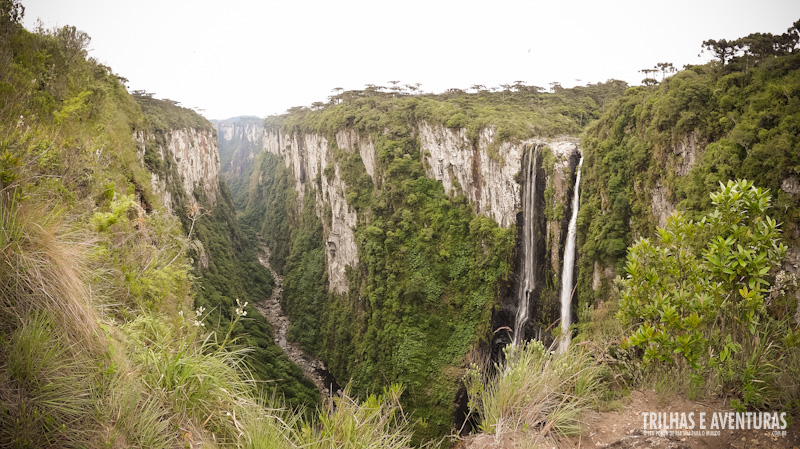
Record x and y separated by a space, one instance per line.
271 309
623 429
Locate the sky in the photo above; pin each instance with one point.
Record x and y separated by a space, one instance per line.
238 57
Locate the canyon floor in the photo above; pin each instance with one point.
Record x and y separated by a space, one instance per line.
271 309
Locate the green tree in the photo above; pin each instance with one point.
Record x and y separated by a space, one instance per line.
709 296
722 49
11 14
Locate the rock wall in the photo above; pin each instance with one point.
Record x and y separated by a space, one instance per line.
485 173
561 183
350 140
195 154
487 180
240 140
307 156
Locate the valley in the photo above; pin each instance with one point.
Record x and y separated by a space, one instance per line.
392 268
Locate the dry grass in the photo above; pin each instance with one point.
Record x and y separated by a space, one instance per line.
41 269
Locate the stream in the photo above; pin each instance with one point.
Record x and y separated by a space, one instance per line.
271 309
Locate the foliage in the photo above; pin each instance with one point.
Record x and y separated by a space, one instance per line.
429 268
755 46
377 422
516 115
702 295
87 250
422 295
537 395
705 125
167 114
47 386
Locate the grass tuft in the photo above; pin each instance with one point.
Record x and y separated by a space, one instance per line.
46 387
537 395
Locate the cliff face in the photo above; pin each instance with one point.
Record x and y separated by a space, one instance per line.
240 140
487 180
485 173
308 157
188 157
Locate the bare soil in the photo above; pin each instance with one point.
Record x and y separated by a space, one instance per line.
608 428
624 428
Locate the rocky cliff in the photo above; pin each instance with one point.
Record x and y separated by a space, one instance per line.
188 157
463 168
485 173
240 140
309 159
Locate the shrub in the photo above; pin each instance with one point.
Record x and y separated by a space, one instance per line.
708 295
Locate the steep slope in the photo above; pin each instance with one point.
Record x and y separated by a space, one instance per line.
179 148
102 195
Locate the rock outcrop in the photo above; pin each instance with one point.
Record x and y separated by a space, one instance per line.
485 173
463 168
195 155
309 158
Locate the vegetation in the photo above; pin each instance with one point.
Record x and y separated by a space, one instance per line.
705 125
704 304
429 269
226 268
536 396
518 112
709 296
123 324
97 348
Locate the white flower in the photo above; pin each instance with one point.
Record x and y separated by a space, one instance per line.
240 310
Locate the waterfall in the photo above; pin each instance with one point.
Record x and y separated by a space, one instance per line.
527 280
568 272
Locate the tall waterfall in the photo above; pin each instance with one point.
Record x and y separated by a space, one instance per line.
568 272
527 281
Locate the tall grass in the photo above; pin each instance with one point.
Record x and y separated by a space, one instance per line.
199 381
41 269
45 387
537 395
132 415
378 422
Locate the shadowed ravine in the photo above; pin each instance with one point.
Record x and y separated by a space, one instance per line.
271 309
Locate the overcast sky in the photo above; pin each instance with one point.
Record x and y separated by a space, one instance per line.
240 57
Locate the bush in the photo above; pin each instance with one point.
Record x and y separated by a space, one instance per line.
708 295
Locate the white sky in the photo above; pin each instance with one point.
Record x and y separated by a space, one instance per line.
239 57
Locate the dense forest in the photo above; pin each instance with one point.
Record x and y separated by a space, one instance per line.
128 279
